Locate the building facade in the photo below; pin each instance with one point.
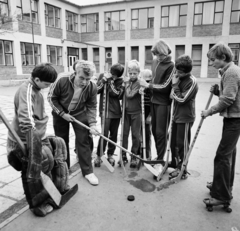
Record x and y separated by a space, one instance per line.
61 32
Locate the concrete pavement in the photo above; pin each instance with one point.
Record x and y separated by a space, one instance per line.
105 207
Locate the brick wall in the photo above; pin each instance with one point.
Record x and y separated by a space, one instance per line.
85 37
196 71
142 34
27 69
234 29
73 36
114 35
6 26
53 32
212 72
7 72
26 27
207 30
175 32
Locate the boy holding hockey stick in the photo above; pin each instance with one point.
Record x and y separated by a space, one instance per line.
114 94
184 91
221 57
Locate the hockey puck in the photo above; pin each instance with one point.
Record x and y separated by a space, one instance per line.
131 198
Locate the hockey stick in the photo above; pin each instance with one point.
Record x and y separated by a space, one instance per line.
178 178
159 177
59 199
103 158
150 162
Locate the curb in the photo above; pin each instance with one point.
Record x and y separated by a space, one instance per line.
21 206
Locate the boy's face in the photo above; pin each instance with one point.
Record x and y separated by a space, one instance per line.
147 77
217 63
133 74
41 84
81 78
180 74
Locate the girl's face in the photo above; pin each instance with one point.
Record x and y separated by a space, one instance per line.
133 74
160 57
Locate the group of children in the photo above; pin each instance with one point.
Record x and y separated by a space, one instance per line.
74 98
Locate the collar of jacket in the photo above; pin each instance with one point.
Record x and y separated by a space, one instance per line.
168 59
71 79
34 84
185 76
223 70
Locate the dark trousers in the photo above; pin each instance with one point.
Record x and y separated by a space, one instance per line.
160 121
180 141
224 161
132 121
110 131
83 140
148 134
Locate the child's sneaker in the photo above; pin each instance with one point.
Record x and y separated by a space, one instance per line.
125 160
92 179
42 210
133 163
97 162
111 160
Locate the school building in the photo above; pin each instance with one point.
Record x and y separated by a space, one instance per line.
61 32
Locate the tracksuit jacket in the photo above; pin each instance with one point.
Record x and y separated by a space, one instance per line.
61 93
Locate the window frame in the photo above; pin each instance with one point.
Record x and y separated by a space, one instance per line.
148 18
20 8
232 12
54 15
34 56
96 23
110 12
7 53
179 15
74 23
194 61
215 12
56 56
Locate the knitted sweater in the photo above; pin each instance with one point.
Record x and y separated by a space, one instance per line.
229 97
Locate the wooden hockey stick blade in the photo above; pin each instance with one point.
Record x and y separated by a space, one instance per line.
107 164
51 189
159 177
68 195
151 169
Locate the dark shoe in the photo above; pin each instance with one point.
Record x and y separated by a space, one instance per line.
97 162
42 210
125 160
133 163
111 160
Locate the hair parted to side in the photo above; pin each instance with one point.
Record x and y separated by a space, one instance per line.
45 72
133 65
220 51
184 63
117 69
146 74
88 67
161 47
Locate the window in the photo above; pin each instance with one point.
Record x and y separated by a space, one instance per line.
26 11
115 20
6 53
71 21
180 50
96 58
235 15
4 7
54 55
52 16
235 50
197 55
135 53
142 18
30 55
108 52
89 23
208 13
148 57
84 54
175 15
121 55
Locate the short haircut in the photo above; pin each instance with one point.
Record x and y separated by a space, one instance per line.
134 65
88 67
184 63
45 72
220 50
117 69
146 73
161 47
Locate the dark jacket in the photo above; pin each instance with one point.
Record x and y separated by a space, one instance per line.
133 98
114 94
147 101
184 93
161 82
61 93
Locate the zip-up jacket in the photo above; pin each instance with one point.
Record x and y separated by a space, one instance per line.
61 94
114 94
161 82
133 98
29 111
184 93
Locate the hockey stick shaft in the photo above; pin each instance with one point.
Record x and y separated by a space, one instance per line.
143 126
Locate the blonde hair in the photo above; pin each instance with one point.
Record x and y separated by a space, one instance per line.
161 47
88 67
134 65
146 74
220 50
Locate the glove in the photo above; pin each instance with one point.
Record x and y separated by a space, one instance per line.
104 80
215 89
